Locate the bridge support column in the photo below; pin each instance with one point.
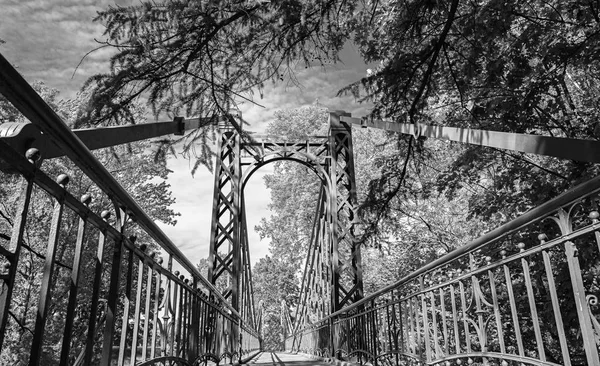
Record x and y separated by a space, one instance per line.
347 286
225 252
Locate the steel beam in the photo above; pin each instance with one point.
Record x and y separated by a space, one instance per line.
24 135
559 147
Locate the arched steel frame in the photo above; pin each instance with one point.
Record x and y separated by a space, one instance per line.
331 158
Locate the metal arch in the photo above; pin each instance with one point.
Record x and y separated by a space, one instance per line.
317 168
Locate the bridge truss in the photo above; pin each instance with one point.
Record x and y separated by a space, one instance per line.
338 255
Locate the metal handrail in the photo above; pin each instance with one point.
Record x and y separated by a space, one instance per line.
14 87
525 219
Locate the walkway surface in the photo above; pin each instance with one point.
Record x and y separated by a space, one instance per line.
285 359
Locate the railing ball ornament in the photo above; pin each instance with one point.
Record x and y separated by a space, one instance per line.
459 362
143 247
542 237
504 363
594 216
470 360
177 273
33 155
62 179
86 199
503 253
488 259
521 247
159 260
105 215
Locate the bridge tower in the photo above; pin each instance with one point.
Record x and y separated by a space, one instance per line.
332 159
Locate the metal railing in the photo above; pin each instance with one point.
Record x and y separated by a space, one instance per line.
77 287
523 294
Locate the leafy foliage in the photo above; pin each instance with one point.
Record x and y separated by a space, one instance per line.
274 281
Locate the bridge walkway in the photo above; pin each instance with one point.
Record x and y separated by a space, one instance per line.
286 359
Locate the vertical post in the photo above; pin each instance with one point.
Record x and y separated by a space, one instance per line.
194 323
347 283
224 254
113 291
74 285
45 286
225 243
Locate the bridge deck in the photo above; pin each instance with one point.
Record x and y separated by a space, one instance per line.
285 359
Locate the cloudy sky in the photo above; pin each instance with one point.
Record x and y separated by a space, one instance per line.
46 40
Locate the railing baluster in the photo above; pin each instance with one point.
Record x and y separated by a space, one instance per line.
513 310
455 320
497 315
533 309
73 286
556 309
136 315
463 301
113 292
45 286
434 325
155 313
89 344
400 347
126 307
148 298
444 321
14 248
180 313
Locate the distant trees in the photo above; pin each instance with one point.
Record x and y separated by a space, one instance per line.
274 281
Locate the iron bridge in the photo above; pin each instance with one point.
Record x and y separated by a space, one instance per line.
79 285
